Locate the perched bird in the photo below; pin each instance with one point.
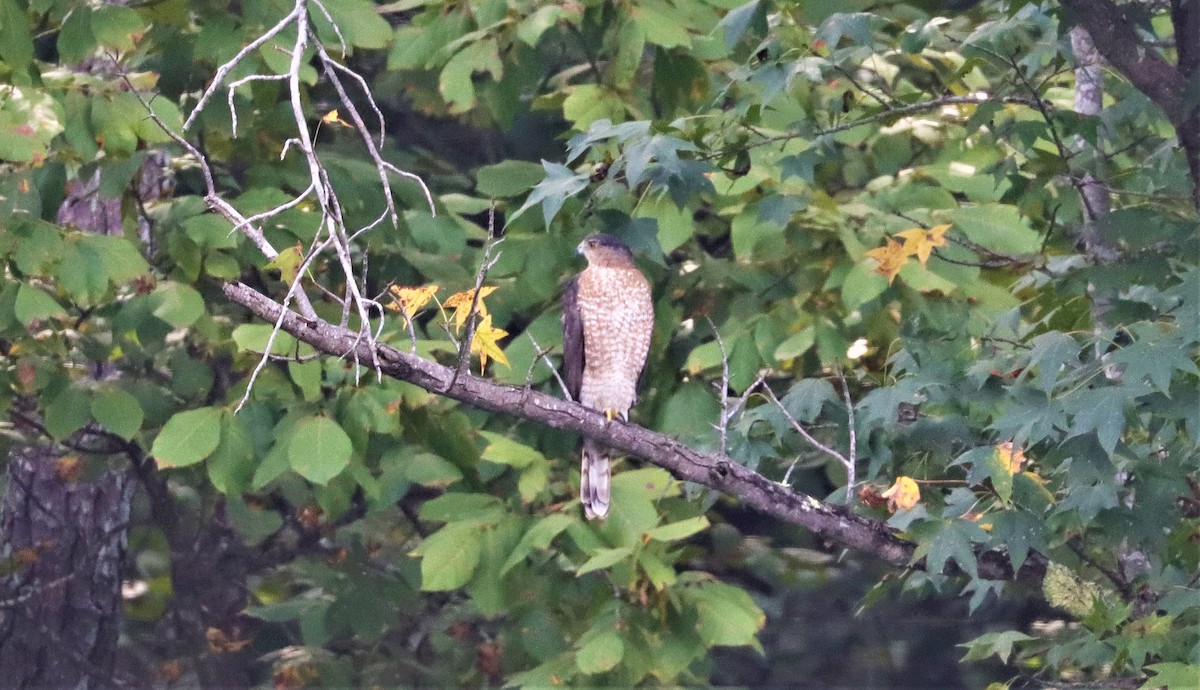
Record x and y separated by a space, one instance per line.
608 317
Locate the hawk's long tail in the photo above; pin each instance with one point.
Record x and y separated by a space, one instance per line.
594 481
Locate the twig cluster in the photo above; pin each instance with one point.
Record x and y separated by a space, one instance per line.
333 235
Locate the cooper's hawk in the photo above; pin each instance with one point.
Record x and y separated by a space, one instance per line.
608 317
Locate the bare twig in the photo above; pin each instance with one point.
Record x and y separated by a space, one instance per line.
807 437
852 461
723 424
485 265
543 355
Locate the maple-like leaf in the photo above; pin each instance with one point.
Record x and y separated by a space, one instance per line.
334 118
920 242
891 258
1010 458
461 302
486 343
287 262
410 300
903 495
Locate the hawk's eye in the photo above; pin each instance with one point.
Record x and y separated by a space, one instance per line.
591 243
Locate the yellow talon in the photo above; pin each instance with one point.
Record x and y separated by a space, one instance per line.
610 414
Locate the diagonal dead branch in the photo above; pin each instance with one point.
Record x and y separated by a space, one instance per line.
825 520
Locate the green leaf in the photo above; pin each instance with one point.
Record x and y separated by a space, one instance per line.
538 537
589 103
459 507
679 530
726 615
427 469
253 337
67 413
210 231
76 40
359 21
116 26
16 40
862 284
1049 353
33 304
177 304
188 437
449 556
81 273
536 24
505 451
806 398
1172 675
455 81
560 183
997 227
509 178
118 412
603 559
675 225
736 21
319 449
231 466
796 344
660 573
661 23
600 653
953 540
122 261
29 121
1101 410
998 643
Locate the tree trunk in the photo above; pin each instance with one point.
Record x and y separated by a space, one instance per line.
60 626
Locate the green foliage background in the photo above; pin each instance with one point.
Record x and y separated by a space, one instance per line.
752 154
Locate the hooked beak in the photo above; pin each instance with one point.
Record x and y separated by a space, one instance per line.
579 249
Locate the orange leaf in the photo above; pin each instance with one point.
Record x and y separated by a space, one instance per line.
904 494
891 259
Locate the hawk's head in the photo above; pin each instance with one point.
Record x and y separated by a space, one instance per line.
605 250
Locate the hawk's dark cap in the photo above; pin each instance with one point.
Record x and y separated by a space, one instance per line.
606 241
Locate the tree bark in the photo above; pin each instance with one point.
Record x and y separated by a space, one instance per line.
62 626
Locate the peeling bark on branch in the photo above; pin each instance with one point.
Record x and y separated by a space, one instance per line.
723 474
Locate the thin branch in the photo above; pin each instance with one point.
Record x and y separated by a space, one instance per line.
485 265
543 355
807 437
723 425
899 111
852 461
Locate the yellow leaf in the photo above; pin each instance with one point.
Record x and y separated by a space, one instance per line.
1010 458
334 118
891 259
410 300
460 302
485 343
287 262
904 494
920 243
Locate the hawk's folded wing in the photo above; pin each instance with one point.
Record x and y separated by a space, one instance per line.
572 322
